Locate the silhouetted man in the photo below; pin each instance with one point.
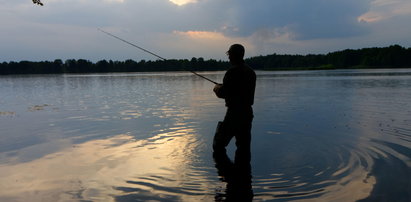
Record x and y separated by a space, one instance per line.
238 91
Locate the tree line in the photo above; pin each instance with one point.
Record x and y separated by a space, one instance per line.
103 66
388 57
393 56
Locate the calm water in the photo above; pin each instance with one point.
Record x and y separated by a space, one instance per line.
317 135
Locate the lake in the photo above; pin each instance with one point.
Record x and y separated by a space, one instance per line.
336 135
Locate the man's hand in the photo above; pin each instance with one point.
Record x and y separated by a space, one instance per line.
216 90
217 87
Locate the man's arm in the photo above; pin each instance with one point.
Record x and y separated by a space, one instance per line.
219 90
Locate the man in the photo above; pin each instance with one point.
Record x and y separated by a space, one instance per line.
238 91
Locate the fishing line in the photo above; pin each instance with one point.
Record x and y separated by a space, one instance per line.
147 51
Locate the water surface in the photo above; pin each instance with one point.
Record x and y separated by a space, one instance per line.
317 135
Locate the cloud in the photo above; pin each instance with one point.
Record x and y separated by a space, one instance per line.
385 9
201 35
290 26
307 19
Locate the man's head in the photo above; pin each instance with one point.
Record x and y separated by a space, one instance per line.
236 53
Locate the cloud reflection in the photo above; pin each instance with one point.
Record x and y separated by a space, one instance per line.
100 169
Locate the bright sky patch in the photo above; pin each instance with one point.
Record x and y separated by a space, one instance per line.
201 34
384 9
182 2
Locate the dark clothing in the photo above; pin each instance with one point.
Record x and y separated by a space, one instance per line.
237 123
238 91
237 175
238 87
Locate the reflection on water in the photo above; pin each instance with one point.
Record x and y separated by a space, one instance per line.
329 135
157 168
341 135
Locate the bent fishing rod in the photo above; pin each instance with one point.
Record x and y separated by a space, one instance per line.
147 51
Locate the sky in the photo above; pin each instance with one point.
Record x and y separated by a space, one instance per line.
182 29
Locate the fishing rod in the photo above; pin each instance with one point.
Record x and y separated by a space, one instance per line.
147 51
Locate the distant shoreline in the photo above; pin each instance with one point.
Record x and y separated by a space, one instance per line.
391 57
201 71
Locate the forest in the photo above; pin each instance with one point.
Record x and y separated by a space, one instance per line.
393 56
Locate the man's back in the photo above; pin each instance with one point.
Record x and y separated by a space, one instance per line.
238 86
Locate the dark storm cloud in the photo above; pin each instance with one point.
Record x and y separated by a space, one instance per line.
308 19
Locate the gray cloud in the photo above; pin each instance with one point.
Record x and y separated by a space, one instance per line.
68 28
308 19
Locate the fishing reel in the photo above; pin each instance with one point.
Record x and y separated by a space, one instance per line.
38 2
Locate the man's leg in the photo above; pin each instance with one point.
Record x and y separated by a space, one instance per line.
243 143
243 137
222 138
222 162
240 187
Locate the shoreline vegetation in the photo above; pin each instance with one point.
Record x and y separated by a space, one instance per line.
393 56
